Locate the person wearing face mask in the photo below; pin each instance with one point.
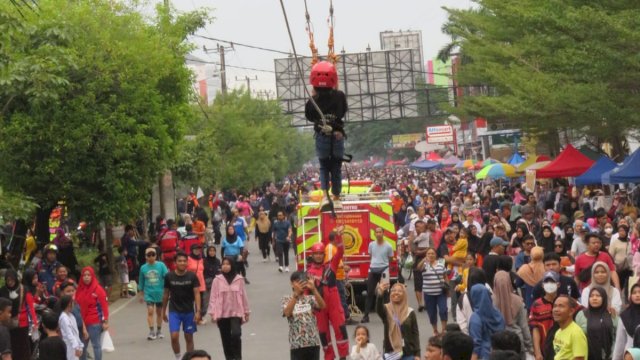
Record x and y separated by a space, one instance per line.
607 235
543 327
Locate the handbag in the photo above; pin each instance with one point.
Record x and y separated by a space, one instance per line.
444 285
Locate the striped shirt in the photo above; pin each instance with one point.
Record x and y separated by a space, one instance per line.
432 278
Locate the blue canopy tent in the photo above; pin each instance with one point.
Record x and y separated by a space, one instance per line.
628 172
426 165
606 177
515 159
593 176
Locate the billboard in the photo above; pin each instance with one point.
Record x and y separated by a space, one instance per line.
404 141
379 85
440 134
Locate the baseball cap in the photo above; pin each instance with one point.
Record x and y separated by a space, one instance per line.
551 275
496 241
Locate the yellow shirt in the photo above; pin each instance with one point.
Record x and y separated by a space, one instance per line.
329 252
570 343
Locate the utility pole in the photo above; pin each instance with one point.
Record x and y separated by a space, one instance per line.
220 49
248 80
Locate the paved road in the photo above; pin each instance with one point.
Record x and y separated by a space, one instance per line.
264 337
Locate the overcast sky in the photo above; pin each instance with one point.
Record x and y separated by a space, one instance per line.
358 23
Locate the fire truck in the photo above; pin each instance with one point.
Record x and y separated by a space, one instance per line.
361 214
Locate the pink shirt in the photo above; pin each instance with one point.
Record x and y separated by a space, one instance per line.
197 267
228 300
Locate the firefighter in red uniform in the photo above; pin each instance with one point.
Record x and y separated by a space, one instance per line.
326 283
169 245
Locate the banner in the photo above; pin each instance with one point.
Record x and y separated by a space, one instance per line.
356 230
531 180
403 141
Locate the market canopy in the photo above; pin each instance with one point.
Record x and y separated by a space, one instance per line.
450 161
569 163
530 161
433 156
516 159
497 171
593 176
628 172
426 165
466 164
486 162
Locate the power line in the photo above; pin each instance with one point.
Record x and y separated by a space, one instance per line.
232 66
233 43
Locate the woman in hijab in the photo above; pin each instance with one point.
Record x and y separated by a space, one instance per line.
445 219
598 325
94 309
630 320
232 247
263 234
22 313
531 274
476 276
473 239
195 264
455 220
517 239
211 267
485 321
601 277
401 335
229 307
619 248
547 240
512 308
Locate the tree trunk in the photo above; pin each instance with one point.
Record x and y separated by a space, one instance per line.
108 246
553 142
18 239
618 150
161 195
42 225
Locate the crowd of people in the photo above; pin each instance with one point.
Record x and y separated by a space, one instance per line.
544 273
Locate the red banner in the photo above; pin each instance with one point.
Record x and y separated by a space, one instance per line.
356 230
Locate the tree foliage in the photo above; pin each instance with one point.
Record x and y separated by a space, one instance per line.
242 143
569 64
93 98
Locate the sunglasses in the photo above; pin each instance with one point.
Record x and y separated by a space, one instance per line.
151 254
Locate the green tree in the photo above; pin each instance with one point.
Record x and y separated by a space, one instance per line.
242 143
553 64
94 97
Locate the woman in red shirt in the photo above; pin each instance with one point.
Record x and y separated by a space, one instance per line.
94 309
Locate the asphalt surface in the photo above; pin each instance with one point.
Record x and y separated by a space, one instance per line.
265 336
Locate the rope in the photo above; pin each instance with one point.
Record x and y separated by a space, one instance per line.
312 44
353 308
331 55
295 55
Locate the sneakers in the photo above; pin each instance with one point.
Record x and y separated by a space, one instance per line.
159 335
280 268
365 319
151 336
264 260
286 269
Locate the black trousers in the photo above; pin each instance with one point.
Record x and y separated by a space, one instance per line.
306 353
231 345
264 240
282 251
372 282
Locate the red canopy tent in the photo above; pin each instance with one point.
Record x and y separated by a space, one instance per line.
433 156
569 163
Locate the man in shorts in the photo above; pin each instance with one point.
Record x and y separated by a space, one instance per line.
420 241
151 288
181 291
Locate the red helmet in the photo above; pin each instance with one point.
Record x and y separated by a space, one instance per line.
317 248
324 75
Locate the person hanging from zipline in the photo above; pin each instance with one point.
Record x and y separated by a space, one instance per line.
329 129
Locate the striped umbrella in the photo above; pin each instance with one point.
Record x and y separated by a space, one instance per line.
486 162
497 171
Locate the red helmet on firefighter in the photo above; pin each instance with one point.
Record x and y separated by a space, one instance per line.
317 248
324 75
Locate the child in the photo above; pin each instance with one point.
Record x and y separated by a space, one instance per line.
329 136
123 270
52 347
469 262
363 349
69 329
434 348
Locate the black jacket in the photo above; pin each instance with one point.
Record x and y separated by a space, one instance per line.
333 104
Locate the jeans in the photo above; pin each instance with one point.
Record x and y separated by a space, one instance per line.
231 345
343 298
436 304
330 166
306 353
372 282
95 332
282 250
